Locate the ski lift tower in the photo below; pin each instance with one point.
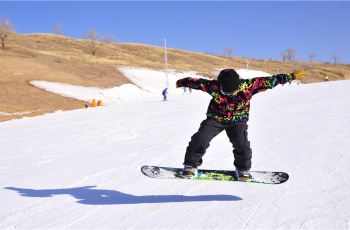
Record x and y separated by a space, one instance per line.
166 65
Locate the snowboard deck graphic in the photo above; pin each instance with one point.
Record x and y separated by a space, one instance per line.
261 177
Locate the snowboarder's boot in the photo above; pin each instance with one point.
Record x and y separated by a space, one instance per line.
189 172
244 175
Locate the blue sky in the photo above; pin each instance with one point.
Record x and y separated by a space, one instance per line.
254 29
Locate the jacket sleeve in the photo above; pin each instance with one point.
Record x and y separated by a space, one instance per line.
261 84
196 83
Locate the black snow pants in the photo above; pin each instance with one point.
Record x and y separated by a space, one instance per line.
209 128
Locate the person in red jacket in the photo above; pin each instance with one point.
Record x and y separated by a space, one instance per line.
228 110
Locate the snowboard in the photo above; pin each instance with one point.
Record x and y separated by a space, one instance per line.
261 177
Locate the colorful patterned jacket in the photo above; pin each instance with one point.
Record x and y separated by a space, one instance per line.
230 109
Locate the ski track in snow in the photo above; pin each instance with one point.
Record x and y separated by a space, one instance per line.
81 169
249 218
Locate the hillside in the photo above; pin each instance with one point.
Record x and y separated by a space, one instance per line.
81 169
66 60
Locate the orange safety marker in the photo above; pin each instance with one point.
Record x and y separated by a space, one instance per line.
99 103
93 103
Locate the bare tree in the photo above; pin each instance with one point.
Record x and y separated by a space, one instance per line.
335 58
289 54
229 51
57 29
5 30
109 38
312 56
91 39
284 55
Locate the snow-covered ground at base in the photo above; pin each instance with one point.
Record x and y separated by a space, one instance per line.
81 169
107 95
10 114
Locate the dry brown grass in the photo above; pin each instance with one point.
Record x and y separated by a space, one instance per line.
62 59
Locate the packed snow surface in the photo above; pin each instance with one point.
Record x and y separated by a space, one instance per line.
81 169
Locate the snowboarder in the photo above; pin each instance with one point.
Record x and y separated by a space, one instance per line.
228 110
164 93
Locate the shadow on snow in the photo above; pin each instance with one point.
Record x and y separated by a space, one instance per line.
88 195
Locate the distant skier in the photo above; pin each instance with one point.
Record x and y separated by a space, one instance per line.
184 90
325 76
228 110
164 93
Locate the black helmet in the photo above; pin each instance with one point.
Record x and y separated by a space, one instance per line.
228 80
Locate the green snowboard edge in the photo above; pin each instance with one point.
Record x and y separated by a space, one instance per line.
261 177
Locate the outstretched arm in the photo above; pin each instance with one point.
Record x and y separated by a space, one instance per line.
261 84
196 83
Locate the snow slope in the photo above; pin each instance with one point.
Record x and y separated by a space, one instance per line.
147 85
81 169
